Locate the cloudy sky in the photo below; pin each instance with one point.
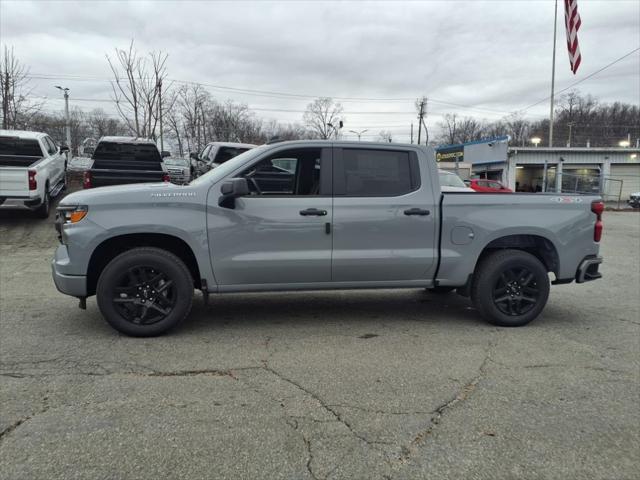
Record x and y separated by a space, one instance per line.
477 58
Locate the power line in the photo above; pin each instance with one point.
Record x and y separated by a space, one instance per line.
580 81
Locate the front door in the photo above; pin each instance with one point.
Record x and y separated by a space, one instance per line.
384 217
281 232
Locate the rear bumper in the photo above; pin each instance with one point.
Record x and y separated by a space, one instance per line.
18 202
588 269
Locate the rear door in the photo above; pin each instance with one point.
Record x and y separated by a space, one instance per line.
281 232
384 215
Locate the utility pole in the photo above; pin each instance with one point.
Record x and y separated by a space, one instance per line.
160 114
420 114
66 114
570 125
424 115
411 132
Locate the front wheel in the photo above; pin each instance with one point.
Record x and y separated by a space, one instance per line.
145 292
510 288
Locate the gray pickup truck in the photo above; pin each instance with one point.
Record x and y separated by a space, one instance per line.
319 215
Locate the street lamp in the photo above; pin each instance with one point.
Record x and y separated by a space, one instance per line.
624 143
65 91
359 134
536 140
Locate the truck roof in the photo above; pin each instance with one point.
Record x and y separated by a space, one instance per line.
232 144
22 134
137 140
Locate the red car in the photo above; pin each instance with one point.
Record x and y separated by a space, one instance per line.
484 185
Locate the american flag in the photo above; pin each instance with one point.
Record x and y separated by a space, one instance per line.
572 22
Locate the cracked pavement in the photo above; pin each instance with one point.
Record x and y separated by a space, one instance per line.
320 385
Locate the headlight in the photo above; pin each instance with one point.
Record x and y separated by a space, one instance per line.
72 213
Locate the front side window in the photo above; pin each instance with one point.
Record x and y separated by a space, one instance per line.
290 173
376 173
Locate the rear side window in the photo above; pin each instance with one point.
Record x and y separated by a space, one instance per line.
227 153
376 173
20 146
51 147
140 152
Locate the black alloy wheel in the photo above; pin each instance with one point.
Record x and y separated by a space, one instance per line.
516 291
144 295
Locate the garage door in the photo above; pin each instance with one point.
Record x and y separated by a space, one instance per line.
630 176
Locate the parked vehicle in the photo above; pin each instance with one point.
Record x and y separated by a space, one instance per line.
634 200
485 185
215 154
32 170
340 215
179 169
123 160
450 182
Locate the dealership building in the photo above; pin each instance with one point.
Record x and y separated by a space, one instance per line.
613 171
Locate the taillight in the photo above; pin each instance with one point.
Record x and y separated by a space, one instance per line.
597 207
33 184
86 180
166 177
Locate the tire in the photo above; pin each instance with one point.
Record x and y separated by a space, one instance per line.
145 292
510 288
45 207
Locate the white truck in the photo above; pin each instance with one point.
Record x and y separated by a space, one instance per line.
32 170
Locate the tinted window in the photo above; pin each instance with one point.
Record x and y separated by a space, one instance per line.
287 173
20 146
376 172
227 153
141 152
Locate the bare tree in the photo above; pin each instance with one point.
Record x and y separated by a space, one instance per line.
385 136
17 109
136 87
320 113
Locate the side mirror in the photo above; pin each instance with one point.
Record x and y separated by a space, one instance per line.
232 189
165 154
64 148
194 156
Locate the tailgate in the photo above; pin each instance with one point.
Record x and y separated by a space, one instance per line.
104 178
14 182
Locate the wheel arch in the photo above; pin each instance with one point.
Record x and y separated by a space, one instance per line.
111 247
537 245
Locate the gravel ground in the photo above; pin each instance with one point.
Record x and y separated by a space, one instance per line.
362 384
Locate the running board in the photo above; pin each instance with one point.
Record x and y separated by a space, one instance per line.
56 190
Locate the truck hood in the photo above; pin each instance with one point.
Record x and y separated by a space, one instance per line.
132 193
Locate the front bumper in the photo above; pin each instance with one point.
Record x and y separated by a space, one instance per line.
74 285
588 269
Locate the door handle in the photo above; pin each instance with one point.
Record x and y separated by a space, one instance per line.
417 211
313 212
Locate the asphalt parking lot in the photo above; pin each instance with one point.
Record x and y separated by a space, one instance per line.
364 384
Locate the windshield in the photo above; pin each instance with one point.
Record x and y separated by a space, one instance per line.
229 166
448 179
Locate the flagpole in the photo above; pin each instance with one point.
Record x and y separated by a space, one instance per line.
553 73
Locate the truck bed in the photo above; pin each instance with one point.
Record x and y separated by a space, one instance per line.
18 161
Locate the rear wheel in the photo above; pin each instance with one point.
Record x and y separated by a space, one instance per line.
510 288
145 292
45 207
